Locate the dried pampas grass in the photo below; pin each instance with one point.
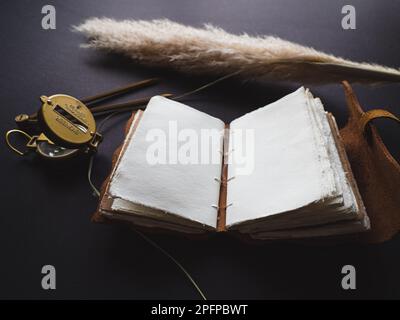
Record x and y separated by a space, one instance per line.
214 51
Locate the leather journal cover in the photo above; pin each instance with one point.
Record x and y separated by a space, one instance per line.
376 173
106 201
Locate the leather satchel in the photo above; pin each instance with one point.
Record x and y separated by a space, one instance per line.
376 171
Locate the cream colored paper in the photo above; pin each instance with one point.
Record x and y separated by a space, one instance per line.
293 167
183 190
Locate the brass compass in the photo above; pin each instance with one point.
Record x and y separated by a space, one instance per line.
67 122
65 126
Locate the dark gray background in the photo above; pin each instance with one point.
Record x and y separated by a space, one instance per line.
46 208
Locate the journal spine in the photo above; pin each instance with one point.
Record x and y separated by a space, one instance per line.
221 217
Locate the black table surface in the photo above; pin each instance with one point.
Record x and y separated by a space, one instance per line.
46 207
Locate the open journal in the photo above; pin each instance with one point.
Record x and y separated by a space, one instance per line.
278 172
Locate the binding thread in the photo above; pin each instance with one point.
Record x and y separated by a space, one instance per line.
224 207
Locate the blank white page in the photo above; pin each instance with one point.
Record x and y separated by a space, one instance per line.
186 190
288 173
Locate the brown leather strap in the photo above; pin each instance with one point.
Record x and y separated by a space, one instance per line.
375 114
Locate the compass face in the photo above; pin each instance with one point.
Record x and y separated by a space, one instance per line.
52 151
67 119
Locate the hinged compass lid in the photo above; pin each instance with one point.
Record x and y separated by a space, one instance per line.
66 120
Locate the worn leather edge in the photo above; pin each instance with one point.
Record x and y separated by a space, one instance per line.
105 201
